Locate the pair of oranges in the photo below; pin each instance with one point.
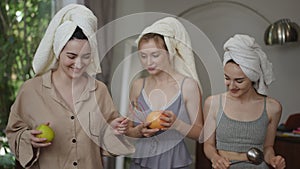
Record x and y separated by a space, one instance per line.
153 117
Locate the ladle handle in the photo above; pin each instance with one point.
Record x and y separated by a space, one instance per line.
236 162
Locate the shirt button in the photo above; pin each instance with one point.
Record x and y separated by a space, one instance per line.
75 163
72 117
73 140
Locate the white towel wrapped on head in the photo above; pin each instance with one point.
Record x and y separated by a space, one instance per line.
59 31
244 51
178 44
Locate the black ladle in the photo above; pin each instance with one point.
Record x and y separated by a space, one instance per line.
254 155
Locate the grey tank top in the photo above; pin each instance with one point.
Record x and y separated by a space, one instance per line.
240 136
166 149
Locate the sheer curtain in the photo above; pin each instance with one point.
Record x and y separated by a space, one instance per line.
105 12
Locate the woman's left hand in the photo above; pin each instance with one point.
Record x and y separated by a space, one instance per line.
277 162
120 125
169 118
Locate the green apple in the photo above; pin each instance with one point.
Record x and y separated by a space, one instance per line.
47 132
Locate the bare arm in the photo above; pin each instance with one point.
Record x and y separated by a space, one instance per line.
211 107
193 101
274 111
140 130
134 131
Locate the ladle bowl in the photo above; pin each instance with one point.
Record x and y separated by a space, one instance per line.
254 155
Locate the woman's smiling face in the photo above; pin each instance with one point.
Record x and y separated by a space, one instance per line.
75 58
236 81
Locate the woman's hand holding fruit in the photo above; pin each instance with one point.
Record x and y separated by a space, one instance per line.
168 118
42 136
120 125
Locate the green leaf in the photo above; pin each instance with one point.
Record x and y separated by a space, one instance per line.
7 161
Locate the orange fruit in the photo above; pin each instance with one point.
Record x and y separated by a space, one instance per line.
47 132
154 118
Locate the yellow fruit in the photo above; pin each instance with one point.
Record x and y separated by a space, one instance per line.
47 132
154 118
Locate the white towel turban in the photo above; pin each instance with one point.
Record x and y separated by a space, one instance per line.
178 43
59 31
244 51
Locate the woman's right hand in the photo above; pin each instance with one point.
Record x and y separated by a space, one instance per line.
38 142
219 162
145 131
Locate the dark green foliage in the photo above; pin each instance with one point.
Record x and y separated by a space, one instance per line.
22 25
